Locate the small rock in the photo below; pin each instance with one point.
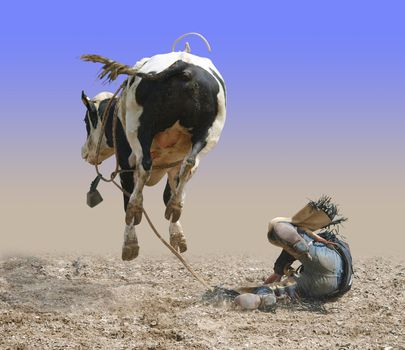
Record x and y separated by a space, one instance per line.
179 337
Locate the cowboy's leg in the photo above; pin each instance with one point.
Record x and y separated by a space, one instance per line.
285 235
322 275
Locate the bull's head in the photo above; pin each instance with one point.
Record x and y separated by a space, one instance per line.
93 119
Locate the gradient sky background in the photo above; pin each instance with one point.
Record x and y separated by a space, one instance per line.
316 105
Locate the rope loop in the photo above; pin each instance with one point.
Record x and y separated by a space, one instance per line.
188 46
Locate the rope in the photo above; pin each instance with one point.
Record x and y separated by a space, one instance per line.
104 122
174 251
191 33
117 171
158 167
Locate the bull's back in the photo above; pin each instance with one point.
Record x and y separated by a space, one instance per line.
188 97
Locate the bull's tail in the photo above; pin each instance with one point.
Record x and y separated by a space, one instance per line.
111 69
177 68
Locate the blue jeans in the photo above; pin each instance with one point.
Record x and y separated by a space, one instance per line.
320 276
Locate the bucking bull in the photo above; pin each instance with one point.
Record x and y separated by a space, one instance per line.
171 110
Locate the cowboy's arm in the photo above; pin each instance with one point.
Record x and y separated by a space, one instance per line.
285 259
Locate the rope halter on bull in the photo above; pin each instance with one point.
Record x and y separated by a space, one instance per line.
110 71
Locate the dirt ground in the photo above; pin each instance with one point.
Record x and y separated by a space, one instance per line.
94 302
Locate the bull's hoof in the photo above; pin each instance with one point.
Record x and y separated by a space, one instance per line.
178 242
173 211
133 214
130 251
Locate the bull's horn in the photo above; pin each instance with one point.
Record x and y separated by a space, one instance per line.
89 104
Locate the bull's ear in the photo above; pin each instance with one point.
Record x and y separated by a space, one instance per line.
89 104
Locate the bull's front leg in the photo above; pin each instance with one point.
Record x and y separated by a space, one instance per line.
175 205
135 203
141 149
130 247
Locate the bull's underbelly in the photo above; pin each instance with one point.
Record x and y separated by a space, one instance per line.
168 146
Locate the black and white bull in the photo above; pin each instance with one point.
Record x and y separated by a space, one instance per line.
172 110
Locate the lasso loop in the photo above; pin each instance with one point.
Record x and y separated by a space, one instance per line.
191 33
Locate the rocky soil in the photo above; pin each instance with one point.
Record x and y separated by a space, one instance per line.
90 302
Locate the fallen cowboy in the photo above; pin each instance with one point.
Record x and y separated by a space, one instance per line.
326 271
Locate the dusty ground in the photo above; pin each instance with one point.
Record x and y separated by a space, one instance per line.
71 302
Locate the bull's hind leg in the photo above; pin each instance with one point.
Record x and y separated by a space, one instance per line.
141 176
177 238
175 205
